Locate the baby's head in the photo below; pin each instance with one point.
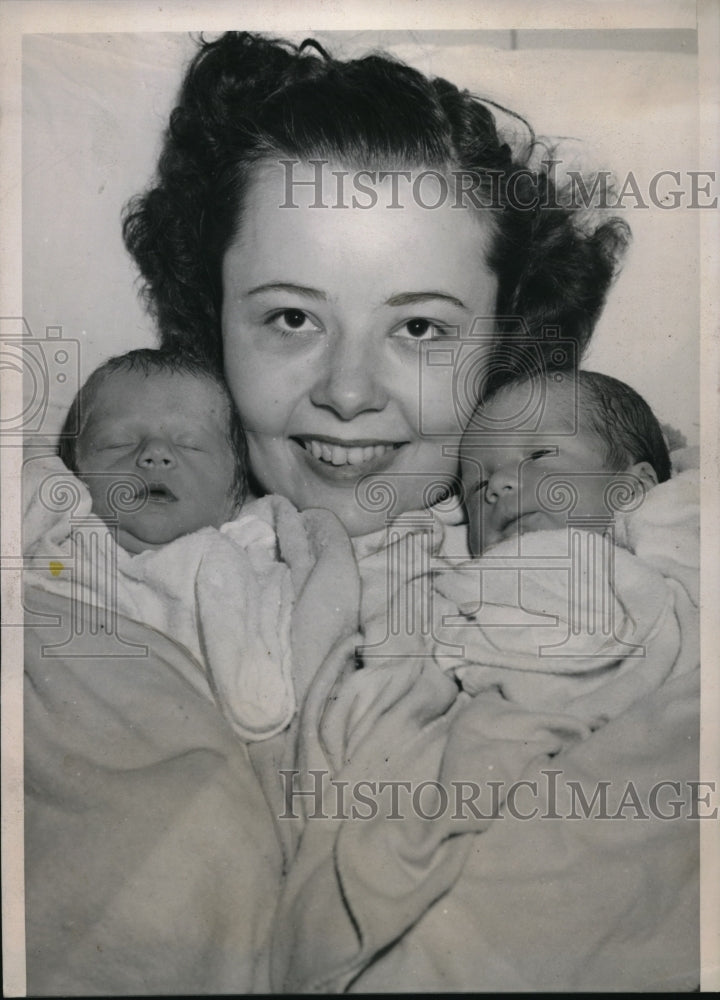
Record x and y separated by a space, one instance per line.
170 421
584 426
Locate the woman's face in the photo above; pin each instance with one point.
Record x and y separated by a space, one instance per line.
342 330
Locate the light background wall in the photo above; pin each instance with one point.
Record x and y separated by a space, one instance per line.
94 107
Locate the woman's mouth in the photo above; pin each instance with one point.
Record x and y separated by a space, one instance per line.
348 457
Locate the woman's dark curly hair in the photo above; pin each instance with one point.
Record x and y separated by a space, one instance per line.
246 98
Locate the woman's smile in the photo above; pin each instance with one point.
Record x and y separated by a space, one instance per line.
343 464
331 329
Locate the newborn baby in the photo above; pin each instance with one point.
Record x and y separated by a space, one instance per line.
580 570
574 434
167 427
157 533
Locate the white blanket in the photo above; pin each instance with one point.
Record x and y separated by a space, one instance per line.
225 595
153 853
521 894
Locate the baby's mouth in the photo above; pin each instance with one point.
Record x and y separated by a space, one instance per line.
511 524
159 493
332 452
515 524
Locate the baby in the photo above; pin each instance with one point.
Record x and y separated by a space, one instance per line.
583 558
576 433
165 426
160 460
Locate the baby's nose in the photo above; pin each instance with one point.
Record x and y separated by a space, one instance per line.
156 453
502 481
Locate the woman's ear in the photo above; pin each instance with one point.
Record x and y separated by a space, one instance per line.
645 473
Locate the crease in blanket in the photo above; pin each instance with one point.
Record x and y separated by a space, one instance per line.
425 700
323 636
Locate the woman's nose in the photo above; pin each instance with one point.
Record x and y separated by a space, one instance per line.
501 482
156 453
351 381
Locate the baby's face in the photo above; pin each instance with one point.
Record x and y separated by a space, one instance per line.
171 431
504 481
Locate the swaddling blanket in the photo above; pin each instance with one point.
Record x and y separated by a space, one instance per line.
226 595
408 895
568 620
153 858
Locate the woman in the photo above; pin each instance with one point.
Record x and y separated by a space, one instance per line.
288 169
323 229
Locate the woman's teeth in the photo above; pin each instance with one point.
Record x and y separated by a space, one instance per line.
337 454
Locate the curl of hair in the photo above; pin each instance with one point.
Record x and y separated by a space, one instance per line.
149 361
245 98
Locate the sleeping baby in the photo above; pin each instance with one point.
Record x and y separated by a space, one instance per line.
159 533
580 434
586 548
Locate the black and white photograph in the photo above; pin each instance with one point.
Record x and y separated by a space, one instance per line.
360 492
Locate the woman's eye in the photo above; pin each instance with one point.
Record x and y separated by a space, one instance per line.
293 321
420 329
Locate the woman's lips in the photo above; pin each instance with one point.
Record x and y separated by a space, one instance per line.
347 459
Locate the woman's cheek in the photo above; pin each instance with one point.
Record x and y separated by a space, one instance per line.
439 403
259 389
450 375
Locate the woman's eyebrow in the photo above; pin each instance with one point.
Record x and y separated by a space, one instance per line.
284 286
412 298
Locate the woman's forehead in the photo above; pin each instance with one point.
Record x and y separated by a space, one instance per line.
323 184
395 242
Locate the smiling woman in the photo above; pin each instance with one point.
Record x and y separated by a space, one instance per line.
326 320
323 310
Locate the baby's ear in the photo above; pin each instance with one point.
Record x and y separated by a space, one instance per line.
645 473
